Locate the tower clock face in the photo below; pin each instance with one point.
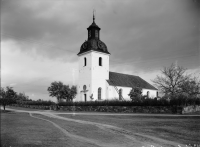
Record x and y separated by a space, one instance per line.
89 34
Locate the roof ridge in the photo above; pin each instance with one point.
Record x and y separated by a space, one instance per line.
123 74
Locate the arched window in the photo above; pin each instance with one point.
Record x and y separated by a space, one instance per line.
147 94
120 94
85 61
100 61
99 93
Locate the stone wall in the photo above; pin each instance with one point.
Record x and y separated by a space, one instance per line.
191 109
32 106
119 109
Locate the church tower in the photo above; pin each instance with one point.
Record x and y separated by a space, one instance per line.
93 67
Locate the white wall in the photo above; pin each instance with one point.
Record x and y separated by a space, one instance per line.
126 90
114 95
84 77
152 93
92 75
99 74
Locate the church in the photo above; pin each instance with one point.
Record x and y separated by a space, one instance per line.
96 82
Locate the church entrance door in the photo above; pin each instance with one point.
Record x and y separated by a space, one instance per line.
85 97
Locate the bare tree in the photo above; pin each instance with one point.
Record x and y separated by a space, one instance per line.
171 80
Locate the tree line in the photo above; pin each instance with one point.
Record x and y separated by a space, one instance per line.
9 96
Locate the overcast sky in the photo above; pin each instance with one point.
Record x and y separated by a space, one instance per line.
40 39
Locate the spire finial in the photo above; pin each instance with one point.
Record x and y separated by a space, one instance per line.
93 15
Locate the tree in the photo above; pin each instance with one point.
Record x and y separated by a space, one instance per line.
190 91
72 93
7 96
171 79
22 97
191 87
56 90
61 91
136 94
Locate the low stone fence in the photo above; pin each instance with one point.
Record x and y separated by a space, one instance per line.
191 109
123 109
119 109
32 106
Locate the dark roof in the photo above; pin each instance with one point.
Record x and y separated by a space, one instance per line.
124 80
95 45
93 25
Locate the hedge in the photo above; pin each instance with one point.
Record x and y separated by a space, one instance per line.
39 103
146 102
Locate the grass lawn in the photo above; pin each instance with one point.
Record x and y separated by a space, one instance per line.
181 129
21 130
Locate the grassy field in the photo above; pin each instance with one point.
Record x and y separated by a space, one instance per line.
182 129
22 130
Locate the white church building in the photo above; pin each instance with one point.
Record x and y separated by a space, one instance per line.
96 82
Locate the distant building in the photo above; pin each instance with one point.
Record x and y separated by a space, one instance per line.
96 82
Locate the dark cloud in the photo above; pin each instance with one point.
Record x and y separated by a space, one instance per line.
143 34
157 34
52 37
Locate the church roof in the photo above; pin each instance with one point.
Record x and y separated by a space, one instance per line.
124 80
93 25
95 45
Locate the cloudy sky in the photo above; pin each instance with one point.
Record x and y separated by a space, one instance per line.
40 39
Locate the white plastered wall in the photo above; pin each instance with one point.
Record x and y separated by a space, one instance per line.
125 91
99 74
152 93
84 77
114 95
92 75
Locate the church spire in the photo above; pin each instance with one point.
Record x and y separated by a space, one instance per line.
93 42
93 30
93 16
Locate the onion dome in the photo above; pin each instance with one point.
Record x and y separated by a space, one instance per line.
93 43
